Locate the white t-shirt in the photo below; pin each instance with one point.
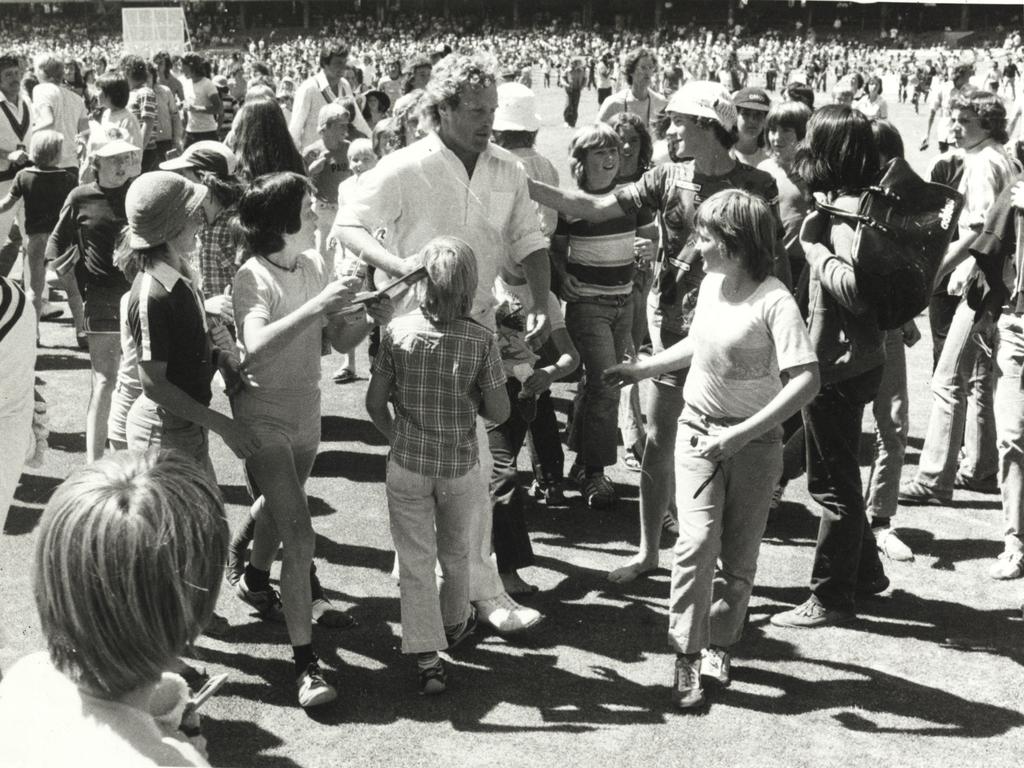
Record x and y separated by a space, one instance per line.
68 111
46 720
739 348
199 93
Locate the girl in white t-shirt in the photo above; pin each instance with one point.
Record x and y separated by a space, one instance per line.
752 365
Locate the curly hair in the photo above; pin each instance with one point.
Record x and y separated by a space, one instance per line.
989 108
453 76
633 60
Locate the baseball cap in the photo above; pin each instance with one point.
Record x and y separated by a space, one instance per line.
752 98
114 147
517 109
158 205
330 112
212 156
704 98
220 81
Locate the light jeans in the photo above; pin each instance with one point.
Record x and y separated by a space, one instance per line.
431 522
601 329
1009 409
149 425
961 407
720 530
892 425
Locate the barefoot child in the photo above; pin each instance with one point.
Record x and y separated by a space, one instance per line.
441 368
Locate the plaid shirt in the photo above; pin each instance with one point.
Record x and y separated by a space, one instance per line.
438 373
218 247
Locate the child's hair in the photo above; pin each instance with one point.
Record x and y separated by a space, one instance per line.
989 108
127 567
789 114
645 148
360 147
135 68
270 208
45 148
115 87
596 136
744 224
451 279
385 132
888 138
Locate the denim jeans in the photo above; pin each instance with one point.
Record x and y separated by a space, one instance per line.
720 530
845 553
600 328
1009 409
892 425
545 442
961 407
430 522
511 539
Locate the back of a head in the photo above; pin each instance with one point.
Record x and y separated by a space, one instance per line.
127 567
451 279
840 154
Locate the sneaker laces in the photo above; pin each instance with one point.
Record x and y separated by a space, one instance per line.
689 673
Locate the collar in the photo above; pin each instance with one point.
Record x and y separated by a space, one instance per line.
22 99
432 143
167 275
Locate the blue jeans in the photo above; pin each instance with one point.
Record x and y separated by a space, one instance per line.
600 328
720 529
892 425
961 411
431 522
845 553
1009 410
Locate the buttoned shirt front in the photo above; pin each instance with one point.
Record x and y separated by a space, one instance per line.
423 191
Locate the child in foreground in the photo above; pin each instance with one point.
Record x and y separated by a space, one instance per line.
441 368
752 365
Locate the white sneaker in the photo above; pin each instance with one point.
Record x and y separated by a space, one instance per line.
890 545
716 663
506 615
687 692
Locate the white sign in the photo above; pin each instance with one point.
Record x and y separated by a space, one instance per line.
148 30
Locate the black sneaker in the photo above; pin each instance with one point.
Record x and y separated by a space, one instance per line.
455 635
433 680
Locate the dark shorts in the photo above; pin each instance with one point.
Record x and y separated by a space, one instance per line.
661 339
101 304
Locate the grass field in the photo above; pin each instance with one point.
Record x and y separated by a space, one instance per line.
930 674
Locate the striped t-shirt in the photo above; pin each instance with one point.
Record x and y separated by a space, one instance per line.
601 253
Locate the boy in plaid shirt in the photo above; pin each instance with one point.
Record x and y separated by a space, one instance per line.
441 369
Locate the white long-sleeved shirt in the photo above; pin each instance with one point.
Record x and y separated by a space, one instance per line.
309 99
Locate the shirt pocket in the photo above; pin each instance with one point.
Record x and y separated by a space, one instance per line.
499 209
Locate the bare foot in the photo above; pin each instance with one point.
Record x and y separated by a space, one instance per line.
515 585
632 570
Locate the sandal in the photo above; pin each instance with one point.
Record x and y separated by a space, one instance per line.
345 376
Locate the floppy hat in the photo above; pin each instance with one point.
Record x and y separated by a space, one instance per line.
517 109
158 205
752 98
704 98
383 100
206 155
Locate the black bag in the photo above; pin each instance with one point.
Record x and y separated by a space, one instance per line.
904 225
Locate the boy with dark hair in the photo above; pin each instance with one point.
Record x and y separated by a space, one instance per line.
142 104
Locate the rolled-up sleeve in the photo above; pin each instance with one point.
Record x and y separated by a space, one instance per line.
524 233
375 202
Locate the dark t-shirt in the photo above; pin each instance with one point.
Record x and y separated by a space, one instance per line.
335 170
91 220
167 326
44 191
676 190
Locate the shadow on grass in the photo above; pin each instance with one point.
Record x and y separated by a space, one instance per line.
352 465
343 428
59 362
222 734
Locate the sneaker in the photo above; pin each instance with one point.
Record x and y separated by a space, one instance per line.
266 601
913 493
632 459
578 474
598 492
314 691
326 615
548 491
344 376
506 615
50 311
1009 565
669 523
433 680
989 484
812 614
892 546
462 631
687 692
217 626
717 665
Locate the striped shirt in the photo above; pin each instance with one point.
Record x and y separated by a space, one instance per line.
438 374
17 351
168 325
601 254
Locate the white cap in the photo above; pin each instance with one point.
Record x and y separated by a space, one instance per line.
517 109
704 98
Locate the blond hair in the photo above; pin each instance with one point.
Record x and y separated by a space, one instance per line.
451 280
744 224
127 567
44 149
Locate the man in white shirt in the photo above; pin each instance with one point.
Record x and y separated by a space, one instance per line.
941 106
15 134
323 88
204 110
58 108
455 182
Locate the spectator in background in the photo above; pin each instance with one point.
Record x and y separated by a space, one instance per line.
638 97
202 102
58 108
325 87
871 103
168 131
15 136
143 106
262 141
